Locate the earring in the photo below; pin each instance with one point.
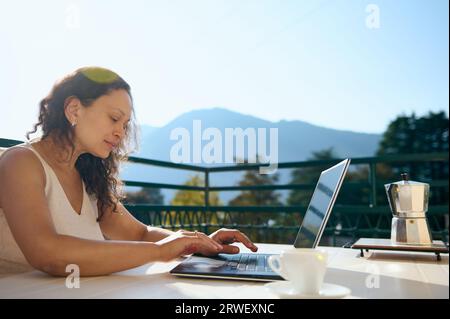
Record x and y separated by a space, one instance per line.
73 124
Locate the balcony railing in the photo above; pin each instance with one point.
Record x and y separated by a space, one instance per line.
279 224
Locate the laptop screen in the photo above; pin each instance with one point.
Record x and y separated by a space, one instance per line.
320 206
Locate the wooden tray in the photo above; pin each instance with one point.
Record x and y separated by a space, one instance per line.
366 244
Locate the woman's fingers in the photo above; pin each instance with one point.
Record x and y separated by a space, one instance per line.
201 243
215 244
230 249
203 240
247 242
231 236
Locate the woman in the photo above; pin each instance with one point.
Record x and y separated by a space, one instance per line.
60 196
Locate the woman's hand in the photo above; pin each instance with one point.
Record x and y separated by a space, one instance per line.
225 237
185 243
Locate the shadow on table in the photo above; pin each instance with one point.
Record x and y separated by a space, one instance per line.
428 258
366 285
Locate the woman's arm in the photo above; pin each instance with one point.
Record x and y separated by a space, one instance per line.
93 257
156 234
26 210
121 225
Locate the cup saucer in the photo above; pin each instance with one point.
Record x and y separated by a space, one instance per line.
284 289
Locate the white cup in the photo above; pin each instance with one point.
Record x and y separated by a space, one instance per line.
304 267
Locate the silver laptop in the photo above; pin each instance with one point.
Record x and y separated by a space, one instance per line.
253 266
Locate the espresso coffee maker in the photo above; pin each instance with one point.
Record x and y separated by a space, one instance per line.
409 203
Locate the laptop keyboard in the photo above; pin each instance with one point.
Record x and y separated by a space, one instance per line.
249 262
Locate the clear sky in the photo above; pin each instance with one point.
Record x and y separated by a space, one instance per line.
311 60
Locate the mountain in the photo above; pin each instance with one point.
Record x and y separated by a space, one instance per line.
297 140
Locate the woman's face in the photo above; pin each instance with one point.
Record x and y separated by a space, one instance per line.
101 127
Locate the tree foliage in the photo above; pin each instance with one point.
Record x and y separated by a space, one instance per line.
195 198
410 135
145 196
257 197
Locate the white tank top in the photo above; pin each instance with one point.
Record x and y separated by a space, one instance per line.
65 219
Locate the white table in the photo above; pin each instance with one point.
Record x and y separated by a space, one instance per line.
380 274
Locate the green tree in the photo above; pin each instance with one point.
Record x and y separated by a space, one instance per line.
145 196
192 198
411 134
195 198
257 197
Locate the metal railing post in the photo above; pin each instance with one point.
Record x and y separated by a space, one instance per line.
373 183
206 199
206 189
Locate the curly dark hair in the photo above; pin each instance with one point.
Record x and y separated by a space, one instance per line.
99 175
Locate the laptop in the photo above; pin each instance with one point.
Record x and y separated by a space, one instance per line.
254 266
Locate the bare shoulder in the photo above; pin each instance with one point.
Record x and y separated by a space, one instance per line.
20 165
24 203
20 161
